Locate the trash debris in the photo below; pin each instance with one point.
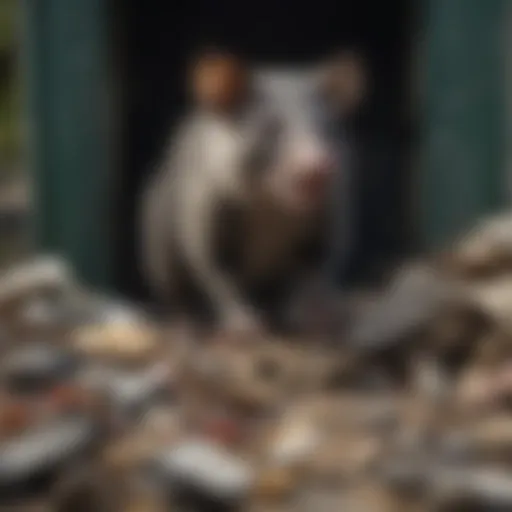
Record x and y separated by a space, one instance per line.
43 448
85 487
204 470
274 484
295 442
29 279
117 339
131 394
408 409
35 367
413 298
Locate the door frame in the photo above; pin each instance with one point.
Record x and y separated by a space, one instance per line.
462 159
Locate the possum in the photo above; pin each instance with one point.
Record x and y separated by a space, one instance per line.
247 197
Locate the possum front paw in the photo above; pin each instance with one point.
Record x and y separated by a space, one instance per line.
243 322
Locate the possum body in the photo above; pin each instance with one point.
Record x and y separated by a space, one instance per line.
211 232
241 207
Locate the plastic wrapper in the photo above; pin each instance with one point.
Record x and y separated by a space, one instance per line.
43 449
202 473
130 393
36 367
127 341
411 300
42 274
294 442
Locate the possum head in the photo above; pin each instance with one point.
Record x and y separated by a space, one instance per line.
280 122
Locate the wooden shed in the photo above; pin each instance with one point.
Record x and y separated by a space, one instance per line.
104 85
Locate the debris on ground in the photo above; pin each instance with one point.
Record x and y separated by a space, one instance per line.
407 408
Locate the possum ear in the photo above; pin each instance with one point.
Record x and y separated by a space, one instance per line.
218 81
344 81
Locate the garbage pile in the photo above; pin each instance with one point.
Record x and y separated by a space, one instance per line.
408 409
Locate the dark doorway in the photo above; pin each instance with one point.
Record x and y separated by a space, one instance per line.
154 40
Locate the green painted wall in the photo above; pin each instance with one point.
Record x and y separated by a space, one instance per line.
463 174
10 100
69 108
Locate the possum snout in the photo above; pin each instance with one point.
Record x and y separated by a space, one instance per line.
315 179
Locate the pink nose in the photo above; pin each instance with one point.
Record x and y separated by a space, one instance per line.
317 173
320 162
